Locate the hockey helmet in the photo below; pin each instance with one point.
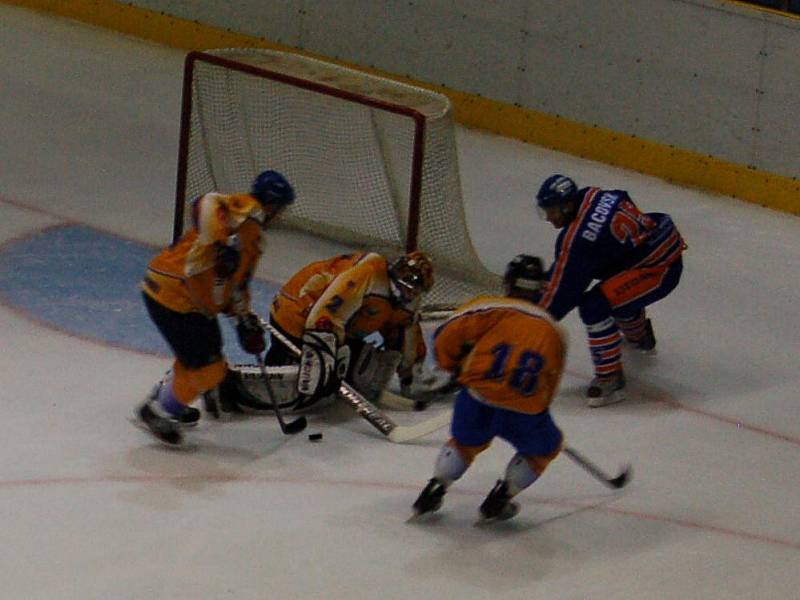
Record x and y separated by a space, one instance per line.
524 277
557 200
556 190
412 274
271 189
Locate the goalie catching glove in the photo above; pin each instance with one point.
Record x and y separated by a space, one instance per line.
323 365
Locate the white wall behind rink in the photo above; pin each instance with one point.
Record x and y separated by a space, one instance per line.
710 76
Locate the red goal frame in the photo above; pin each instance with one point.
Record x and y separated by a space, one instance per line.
194 57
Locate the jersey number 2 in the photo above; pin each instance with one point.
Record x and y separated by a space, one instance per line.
524 376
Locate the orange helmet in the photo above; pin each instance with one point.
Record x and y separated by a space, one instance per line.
412 273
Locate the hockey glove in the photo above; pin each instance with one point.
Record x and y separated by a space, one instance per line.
251 334
405 386
228 257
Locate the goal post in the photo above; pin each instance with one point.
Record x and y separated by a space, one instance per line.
373 161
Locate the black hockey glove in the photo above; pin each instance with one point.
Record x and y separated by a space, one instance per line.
251 334
406 376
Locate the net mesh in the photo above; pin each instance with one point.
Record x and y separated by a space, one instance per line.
349 162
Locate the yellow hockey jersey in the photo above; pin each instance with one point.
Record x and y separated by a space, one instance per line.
182 276
349 295
509 352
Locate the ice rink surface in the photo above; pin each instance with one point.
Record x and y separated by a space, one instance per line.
93 508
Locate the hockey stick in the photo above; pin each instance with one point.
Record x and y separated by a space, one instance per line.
371 413
291 427
436 312
399 402
394 432
620 481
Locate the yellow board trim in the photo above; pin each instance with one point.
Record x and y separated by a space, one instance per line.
676 165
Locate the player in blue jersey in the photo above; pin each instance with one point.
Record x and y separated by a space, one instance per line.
634 258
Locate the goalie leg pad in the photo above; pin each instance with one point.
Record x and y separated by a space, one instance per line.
282 380
373 369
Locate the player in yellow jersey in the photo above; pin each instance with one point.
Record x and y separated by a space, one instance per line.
328 308
207 273
507 354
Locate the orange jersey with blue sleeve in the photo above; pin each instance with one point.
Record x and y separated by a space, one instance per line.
349 295
182 277
508 352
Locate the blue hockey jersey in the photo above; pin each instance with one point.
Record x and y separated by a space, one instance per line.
608 235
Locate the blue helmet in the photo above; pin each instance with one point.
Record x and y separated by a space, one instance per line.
270 188
556 190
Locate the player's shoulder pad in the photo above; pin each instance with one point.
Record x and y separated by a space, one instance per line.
482 304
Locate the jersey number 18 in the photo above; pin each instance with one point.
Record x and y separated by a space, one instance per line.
524 376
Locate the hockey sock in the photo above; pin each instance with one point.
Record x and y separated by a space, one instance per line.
605 339
519 474
167 399
605 346
450 464
633 328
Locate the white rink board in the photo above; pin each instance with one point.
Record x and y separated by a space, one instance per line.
94 509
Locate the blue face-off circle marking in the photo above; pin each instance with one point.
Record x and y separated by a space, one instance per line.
86 282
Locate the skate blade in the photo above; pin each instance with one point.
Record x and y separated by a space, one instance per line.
425 517
612 398
488 521
139 424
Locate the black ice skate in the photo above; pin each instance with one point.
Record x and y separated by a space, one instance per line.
498 505
606 390
430 500
189 417
160 423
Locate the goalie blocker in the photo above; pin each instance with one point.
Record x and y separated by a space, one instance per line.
323 365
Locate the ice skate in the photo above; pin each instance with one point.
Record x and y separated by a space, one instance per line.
161 424
188 418
498 505
430 499
603 391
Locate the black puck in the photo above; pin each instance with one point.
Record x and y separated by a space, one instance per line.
314 437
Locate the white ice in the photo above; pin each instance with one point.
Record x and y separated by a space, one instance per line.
92 508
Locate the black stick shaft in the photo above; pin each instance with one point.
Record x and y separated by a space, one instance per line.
288 428
613 482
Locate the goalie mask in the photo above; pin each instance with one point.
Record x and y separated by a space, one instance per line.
411 275
525 277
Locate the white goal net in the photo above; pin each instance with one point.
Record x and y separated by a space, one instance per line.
373 161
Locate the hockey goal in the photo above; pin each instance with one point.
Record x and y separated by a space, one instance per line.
373 161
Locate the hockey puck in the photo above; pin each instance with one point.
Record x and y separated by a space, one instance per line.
314 437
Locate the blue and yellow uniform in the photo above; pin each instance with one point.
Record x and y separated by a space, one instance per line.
508 355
